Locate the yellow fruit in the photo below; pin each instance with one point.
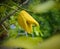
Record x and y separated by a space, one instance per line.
29 18
26 21
22 22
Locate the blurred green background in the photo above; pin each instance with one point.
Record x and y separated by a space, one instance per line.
46 12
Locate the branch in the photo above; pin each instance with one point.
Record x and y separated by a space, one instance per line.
2 20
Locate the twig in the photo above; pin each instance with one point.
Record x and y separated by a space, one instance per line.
4 28
2 20
25 2
8 16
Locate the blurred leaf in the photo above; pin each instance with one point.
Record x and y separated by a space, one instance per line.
24 42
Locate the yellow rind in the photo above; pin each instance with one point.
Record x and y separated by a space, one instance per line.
26 21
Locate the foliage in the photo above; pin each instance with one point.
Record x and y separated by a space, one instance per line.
48 18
